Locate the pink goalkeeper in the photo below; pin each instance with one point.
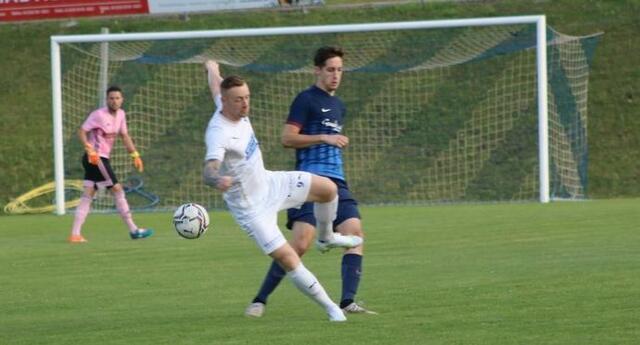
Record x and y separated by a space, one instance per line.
98 134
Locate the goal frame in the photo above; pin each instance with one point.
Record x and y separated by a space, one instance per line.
541 71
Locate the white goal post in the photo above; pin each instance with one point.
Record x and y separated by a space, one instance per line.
541 72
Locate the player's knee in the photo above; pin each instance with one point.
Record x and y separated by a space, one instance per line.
89 192
286 257
117 188
358 232
323 189
300 246
330 190
300 249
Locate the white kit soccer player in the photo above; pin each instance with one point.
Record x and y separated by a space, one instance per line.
254 195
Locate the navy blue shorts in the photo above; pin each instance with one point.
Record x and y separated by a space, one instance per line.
347 208
100 175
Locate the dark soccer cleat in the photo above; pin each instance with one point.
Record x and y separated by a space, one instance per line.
141 233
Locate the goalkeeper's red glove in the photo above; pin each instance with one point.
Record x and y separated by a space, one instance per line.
92 155
137 161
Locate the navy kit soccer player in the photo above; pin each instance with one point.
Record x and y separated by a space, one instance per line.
314 128
254 195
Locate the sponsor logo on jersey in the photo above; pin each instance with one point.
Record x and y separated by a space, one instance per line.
251 147
335 126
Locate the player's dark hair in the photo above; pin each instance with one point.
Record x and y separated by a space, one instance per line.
231 81
113 88
325 53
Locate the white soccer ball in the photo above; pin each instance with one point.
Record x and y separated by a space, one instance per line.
191 220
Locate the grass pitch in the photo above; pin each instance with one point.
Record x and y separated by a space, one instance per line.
562 273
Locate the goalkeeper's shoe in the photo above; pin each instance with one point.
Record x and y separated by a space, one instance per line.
77 239
255 309
338 240
355 308
140 233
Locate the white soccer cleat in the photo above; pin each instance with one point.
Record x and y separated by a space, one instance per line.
336 314
338 240
354 308
254 310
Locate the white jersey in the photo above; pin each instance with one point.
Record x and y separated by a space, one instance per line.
236 146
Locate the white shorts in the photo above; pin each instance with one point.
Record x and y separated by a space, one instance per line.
287 189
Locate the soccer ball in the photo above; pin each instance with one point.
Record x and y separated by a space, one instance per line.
191 220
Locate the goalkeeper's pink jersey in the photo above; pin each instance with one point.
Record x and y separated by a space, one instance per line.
103 129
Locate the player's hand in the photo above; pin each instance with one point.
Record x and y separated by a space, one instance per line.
211 65
338 140
92 155
224 183
137 161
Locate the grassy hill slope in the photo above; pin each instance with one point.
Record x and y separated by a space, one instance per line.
614 127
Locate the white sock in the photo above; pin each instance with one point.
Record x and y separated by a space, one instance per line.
306 282
325 215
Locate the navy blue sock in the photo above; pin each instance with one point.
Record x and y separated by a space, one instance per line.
351 271
271 281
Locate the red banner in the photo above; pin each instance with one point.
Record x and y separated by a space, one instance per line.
18 10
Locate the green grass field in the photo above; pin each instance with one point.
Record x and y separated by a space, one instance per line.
613 121
562 273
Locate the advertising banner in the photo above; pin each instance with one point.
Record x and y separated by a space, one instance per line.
19 10
187 6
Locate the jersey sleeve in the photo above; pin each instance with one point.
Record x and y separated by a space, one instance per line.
91 122
215 141
299 111
218 102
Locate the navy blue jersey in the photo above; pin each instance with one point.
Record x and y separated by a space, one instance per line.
315 111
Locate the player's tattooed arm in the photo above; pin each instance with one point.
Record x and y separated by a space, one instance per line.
212 176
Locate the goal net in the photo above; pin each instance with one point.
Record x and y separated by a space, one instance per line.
433 115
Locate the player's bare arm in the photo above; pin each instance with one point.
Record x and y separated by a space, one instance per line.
128 143
82 135
212 176
213 77
291 138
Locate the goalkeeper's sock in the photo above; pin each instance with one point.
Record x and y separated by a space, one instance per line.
325 214
271 280
81 214
351 271
123 208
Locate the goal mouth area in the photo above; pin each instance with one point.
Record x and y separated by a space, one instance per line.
434 115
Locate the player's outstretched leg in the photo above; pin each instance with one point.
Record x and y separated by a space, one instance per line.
306 282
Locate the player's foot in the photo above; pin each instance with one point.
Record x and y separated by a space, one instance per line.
140 233
77 239
336 314
255 310
354 308
338 240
